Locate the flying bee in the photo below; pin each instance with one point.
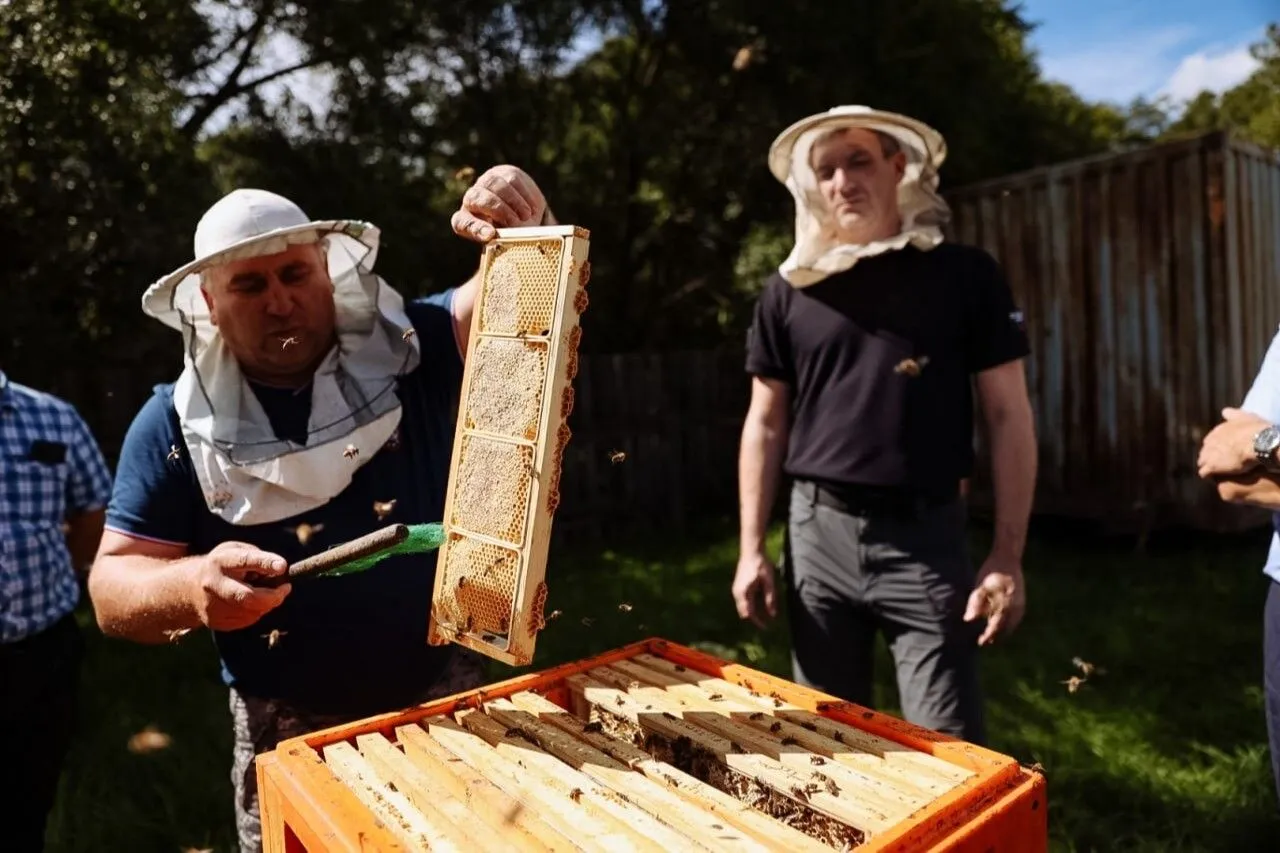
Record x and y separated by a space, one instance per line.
174 455
616 456
1073 683
1086 668
408 333
351 451
624 607
305 531
554 614
587 620
383 508
175 634
273 637
911 366
150 739
291 341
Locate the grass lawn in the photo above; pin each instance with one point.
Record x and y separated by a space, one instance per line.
1166 751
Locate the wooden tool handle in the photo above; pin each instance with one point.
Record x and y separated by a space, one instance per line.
366 545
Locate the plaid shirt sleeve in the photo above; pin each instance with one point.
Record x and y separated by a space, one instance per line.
50 466
89 480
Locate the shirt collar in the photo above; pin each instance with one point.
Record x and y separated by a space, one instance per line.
6 396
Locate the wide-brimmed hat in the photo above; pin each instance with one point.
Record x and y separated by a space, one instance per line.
817 252
920 140
249 223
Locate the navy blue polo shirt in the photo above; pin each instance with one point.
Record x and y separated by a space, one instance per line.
349 645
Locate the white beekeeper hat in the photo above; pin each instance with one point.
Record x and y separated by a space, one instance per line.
248 473
248 223
816 253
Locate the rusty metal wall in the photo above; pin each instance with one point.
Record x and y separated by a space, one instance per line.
1151 287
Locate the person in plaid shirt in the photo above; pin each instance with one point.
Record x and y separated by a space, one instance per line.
54 488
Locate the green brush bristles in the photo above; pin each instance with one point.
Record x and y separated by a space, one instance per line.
421 539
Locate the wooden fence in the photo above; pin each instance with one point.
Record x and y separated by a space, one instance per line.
1150 282
655 441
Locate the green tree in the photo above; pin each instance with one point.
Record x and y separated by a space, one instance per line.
1251 110
92 172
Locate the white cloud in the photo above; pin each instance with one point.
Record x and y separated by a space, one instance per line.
1120 69
1215 72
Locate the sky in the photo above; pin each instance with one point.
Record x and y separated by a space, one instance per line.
1117 50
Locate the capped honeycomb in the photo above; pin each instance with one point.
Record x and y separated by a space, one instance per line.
493 488
521 288
506 387
517 394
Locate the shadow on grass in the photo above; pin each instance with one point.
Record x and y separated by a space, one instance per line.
1166 750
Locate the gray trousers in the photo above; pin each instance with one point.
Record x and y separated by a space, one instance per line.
908 575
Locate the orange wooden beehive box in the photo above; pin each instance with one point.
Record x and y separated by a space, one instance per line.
653 746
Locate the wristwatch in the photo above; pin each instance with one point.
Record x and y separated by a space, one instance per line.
1265 444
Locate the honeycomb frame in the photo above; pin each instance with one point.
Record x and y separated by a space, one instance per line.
504 477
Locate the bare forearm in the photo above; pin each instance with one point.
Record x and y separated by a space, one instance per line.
759 469
1254 489
140 598
1013 473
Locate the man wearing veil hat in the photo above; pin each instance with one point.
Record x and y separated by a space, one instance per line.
863 351
315 405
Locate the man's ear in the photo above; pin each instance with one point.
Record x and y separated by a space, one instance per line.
899 164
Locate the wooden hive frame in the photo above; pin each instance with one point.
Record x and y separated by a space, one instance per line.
653 746
503 490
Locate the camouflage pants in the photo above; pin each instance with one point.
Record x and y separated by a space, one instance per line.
261 724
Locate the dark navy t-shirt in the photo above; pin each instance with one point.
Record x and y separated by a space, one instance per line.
355 644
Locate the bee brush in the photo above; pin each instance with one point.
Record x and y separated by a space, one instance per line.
361 554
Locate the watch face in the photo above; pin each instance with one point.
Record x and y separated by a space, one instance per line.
1267 441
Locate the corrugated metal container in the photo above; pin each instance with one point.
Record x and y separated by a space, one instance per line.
1150 281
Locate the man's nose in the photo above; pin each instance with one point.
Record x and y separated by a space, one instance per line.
278 301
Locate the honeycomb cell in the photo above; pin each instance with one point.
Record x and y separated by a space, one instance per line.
480 579
537 619
507 378
570 350
566 403
491 494
557 465
520 289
